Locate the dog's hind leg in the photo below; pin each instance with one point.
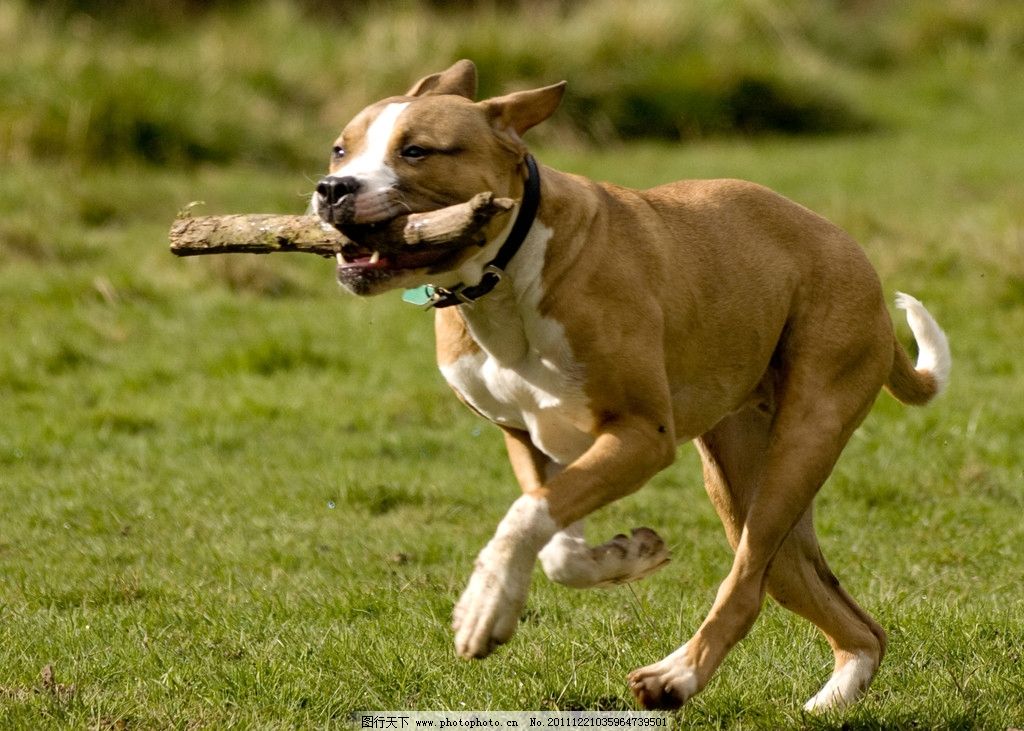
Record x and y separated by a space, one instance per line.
762 469
799 578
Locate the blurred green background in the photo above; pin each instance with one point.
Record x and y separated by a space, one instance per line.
186 83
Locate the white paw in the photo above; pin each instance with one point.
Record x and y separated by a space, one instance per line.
846 685
624 559
667 684
568 560
488 611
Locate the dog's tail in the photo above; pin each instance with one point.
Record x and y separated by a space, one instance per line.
921 383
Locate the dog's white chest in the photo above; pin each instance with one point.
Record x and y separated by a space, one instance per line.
525 376
535 395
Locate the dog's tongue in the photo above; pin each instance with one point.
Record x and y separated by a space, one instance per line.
393 260
375 261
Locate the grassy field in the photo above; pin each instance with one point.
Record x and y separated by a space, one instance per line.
234 497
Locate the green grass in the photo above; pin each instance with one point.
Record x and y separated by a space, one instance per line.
234 497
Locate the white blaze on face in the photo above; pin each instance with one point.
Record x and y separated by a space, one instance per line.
370 165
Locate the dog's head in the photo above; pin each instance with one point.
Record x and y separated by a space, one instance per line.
431 148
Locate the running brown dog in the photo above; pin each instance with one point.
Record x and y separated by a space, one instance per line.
600 327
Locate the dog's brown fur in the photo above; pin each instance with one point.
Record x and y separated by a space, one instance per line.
714 311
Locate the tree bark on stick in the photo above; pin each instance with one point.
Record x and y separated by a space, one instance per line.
254 234
456 225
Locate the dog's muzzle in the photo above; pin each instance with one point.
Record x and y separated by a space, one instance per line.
333 190
336 198
345 201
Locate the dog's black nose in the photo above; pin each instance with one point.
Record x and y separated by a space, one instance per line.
333 189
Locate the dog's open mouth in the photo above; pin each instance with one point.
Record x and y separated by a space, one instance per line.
373 247
371 258
377 255
359 259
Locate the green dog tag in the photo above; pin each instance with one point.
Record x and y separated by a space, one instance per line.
419 296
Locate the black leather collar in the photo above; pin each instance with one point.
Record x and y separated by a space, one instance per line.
460 294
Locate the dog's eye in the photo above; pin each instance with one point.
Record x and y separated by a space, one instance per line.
337 152
414 152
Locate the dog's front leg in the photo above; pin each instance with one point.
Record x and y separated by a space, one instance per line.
488 611
567 558
627 452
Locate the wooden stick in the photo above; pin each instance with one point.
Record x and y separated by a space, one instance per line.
254 234
460 224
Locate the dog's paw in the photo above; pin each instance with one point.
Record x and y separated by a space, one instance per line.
488 612
847 684
629 558
568 560
667 684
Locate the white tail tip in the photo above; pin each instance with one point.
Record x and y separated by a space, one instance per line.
932 345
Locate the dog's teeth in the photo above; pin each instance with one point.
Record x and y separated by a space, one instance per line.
341 259
375 258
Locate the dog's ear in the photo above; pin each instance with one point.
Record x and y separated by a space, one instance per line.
513 114
460 79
